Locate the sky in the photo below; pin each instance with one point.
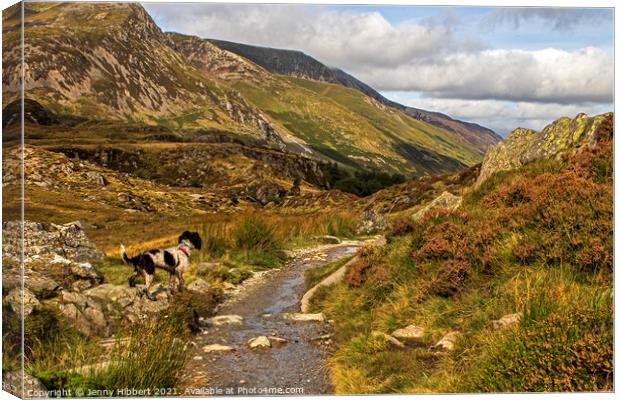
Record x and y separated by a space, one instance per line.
500 67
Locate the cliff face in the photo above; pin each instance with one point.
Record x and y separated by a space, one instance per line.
525 145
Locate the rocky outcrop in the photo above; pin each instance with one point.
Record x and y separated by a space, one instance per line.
55 257
48 240
525 145
186 165
446 201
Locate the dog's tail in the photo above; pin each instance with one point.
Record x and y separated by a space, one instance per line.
125 257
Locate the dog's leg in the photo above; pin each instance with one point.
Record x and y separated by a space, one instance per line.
170 283
181 279
148 279
132 278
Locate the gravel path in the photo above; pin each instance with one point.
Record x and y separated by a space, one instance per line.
295 367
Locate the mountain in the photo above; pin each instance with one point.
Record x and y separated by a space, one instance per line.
297 64
121 71
335 121
120 66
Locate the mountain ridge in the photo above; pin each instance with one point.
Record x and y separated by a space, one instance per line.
105 71
307 67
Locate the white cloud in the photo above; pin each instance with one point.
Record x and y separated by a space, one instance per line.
427 56
550 75
501 116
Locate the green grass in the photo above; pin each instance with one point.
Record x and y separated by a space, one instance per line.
153 357
332 117
536 241
315 275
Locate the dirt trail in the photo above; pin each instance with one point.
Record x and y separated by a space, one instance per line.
297 365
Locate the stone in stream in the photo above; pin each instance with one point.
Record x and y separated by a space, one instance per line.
303 317
328 239
259 342
216 347
278 341
322 337
411 333
232 319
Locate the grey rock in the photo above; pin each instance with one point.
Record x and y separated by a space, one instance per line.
507 320
390 340
219 320
259 342
411 333
68 241
371 221
211 348
525 145
14 300
447 342
32 387
199 285
303 317
446 201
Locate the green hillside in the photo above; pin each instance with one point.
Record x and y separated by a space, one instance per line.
519 281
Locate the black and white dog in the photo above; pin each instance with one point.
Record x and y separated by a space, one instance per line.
175 260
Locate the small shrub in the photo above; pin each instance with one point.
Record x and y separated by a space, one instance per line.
570 351
401 226
154 357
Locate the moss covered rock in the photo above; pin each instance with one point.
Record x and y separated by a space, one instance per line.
525 145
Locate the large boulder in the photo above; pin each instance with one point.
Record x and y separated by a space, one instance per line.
68 241
446 201
14 300
525 145
32 387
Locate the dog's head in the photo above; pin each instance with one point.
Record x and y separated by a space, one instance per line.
192 237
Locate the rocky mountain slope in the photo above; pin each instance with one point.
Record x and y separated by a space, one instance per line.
329 118
525 145
297 64
122 68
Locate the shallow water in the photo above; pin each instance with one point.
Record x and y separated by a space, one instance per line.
298 365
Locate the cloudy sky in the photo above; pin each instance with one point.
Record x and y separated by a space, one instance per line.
500 67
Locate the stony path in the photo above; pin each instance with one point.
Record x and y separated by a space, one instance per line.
298 364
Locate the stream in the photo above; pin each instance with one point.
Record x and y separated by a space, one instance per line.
295 367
